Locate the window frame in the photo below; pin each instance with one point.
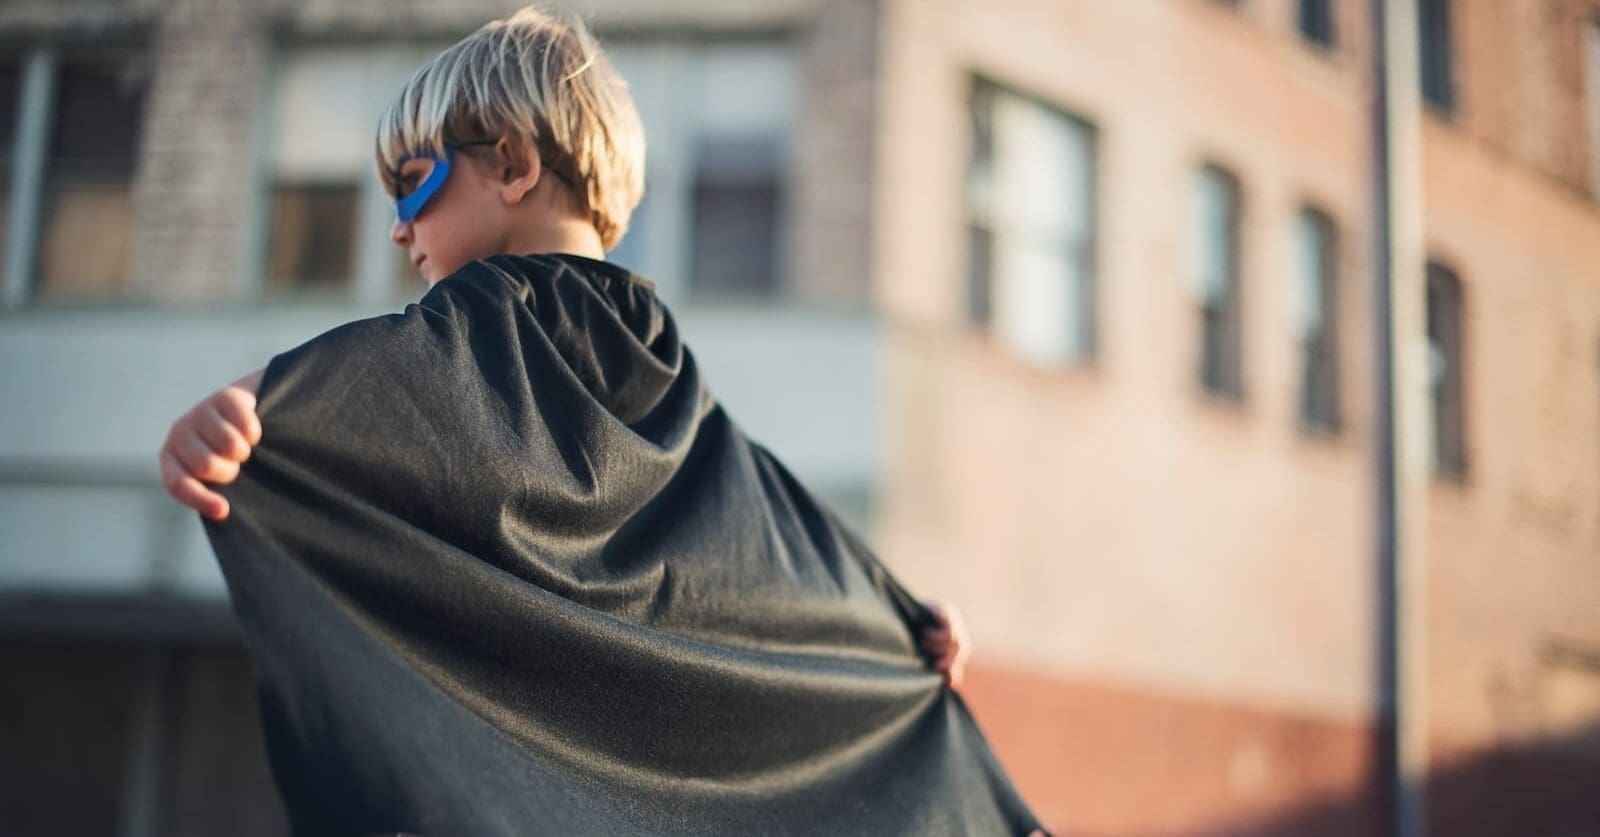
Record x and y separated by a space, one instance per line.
1081 257
1447 397
1319 397
41 67
1221 360
1436 57
1317 23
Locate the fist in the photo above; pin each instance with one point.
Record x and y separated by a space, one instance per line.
207 445
946 644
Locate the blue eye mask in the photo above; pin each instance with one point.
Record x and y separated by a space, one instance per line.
408 207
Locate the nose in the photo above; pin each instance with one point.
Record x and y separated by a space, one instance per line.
400 232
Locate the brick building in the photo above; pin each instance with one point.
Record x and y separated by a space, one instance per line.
1134 401
1086 290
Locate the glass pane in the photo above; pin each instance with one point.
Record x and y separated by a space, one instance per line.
86 211
311 244
736 206
10 81
1212 242
1315 318
1444 340
1316 21
735 236
10 99
97 119
1215 231
1435 53
1031 206
1591 46
85 240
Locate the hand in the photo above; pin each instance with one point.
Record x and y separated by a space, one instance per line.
208 443
946 643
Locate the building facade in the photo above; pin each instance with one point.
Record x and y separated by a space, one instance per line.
187 188
1126 261
1068 303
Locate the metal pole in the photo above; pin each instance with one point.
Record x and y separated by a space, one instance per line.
1401 413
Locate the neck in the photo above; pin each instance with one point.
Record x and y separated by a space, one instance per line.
570 235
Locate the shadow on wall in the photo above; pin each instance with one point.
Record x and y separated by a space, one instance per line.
1546 789
1549 788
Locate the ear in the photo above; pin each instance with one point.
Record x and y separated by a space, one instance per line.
517 170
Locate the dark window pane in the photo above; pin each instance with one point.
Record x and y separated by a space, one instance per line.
980 268
980 204
735 237
86 210
312 238
1221 362
10 100
1445 345
97 119
1030 212
1435 53
1319 389
736 211
1316 21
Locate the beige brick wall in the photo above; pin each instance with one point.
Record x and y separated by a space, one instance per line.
1111 526
194 191
829 253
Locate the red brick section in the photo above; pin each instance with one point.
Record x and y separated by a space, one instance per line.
1097 760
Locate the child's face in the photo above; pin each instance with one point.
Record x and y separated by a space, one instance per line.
464 220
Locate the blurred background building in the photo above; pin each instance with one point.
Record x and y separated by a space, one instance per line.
1068 304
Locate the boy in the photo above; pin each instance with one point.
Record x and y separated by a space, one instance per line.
520 139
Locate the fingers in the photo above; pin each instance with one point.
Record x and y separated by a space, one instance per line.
189 491
946 643
207 445
221 434
199 460
237 407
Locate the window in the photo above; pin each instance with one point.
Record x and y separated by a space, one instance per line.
10 101
739 157
1215 276
1316 22
1031 229
1445 371
1591 49
736 203
1316 318
312 233
326 216
720 116
86 210
1435 53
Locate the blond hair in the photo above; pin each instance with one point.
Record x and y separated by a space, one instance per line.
536 77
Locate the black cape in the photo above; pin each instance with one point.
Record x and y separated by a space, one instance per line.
504 567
